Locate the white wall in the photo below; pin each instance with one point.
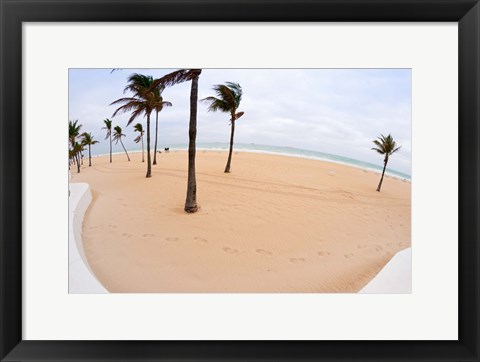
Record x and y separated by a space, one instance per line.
81 279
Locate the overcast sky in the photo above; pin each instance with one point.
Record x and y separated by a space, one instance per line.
338 111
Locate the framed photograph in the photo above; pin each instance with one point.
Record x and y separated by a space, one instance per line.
244 181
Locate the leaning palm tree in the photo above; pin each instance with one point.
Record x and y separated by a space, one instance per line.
177 77
87 140
142 102
117 136
385 146
108 128
228 97
139 128
158 105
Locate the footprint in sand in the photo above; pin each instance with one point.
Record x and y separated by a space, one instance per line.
127 235
230 250
171 238
377 248
112 226
198 238
348 256
297 260
323 253
263 252
148 235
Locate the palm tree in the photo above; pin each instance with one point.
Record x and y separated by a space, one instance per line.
108 128
73 131
117 136
158 105
177 77
87 140
139 128
385 146
142 101
227 100
76 151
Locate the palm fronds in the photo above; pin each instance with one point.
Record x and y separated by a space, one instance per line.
117 134
138 128
176 77
385 145
227 99
108 127
87 139
73 131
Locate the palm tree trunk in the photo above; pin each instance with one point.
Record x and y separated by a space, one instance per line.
381 179
143 152
156 137
124 149
89 156
78 164
149 159
191 201
227 167
110 146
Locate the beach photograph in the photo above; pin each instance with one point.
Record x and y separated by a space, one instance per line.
239 180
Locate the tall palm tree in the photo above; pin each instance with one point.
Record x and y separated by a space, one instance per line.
158 105
87 140
108 128
385 146
142 101
117 136
139 128
228 98
177 77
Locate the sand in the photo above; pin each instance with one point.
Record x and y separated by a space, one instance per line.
274 224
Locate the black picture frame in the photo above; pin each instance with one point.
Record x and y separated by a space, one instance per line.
13 13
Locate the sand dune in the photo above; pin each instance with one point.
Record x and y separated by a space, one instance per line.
275 224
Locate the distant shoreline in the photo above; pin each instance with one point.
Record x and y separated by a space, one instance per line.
241 148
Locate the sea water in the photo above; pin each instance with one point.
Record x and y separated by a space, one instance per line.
295 152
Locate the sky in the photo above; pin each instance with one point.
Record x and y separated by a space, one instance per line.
337 111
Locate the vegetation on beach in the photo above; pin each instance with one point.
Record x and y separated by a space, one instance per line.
117 136
143 101
228 98
75 148
177 77
385 146
108 128
87 140
77 143
139 128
